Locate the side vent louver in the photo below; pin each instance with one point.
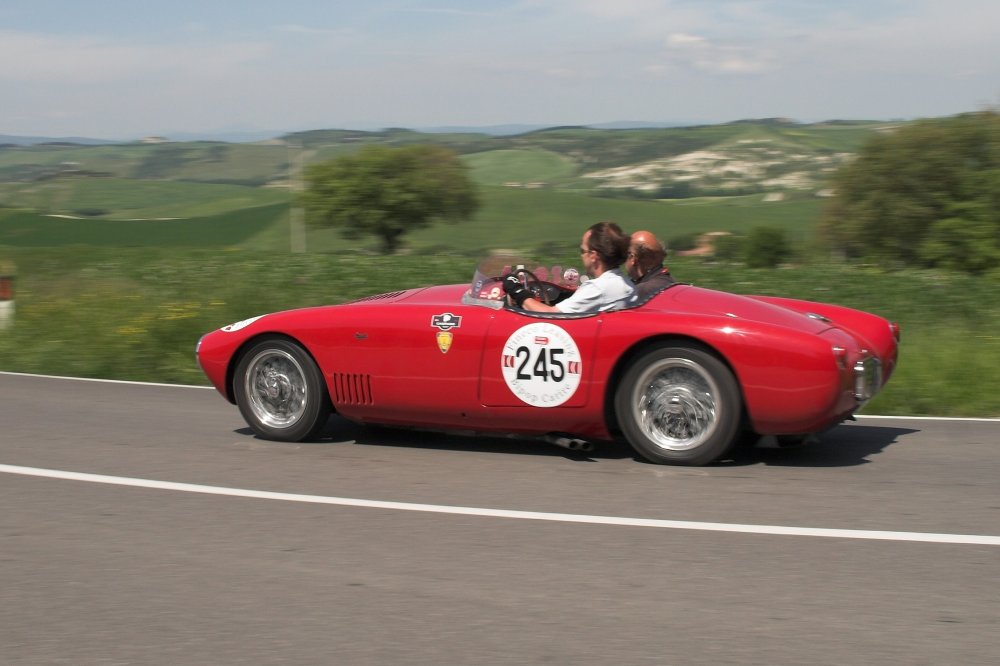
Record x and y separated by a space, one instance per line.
350 389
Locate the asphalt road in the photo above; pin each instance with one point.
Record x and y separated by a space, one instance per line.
127 568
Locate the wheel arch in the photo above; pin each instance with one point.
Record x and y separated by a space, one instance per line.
641 347
241 351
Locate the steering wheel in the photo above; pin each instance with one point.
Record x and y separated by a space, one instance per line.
533 284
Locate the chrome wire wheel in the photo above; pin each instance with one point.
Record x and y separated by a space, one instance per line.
276 388
678 405
280 390
675 404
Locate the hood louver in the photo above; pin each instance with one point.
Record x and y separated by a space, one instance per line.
380 297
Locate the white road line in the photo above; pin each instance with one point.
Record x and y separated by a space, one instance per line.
969 419
983 540
103 381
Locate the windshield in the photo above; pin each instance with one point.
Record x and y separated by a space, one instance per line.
486 290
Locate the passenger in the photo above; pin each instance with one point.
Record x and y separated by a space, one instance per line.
603 250
645 265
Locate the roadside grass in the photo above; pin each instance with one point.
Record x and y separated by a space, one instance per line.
136 313
944 371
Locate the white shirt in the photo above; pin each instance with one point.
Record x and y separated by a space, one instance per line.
610 291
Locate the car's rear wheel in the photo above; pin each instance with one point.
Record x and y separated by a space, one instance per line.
679 405
280 391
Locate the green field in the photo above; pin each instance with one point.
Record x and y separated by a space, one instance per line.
538 187
248 164
549 221
228 229
123 199
532 221
521 167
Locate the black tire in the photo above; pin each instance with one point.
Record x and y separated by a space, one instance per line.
280 391
678 405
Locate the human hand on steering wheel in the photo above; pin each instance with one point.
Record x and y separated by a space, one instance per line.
515 290
519 291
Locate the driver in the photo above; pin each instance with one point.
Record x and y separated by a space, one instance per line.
603 250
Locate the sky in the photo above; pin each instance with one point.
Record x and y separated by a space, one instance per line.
122 69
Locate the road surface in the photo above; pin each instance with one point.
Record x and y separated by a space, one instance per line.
145 524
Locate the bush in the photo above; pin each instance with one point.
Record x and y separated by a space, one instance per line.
682 243
766 247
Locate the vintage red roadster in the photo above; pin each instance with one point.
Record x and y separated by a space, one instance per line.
681 376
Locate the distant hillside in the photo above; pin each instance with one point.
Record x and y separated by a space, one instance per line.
776 158
12 140
744 157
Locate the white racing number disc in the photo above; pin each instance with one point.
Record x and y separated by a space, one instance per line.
541 365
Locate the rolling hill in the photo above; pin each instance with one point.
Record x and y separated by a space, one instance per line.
545 179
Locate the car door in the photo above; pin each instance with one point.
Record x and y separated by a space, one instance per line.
538 361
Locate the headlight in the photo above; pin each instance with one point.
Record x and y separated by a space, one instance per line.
867 378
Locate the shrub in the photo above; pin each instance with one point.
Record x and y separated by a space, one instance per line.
682 243
766 247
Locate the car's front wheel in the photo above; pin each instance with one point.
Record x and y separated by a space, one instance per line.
679 405
280 391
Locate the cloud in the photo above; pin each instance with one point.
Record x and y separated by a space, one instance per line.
683 50
681 40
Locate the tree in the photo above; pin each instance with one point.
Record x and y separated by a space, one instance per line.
966 242
927 194
387 192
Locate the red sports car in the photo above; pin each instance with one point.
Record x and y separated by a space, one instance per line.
681 376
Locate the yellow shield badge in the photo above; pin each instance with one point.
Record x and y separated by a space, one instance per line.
444 339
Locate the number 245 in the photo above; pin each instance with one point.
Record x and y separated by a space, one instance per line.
547 365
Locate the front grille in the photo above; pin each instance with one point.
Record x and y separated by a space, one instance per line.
351 389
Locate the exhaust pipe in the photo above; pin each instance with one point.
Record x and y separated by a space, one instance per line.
571 443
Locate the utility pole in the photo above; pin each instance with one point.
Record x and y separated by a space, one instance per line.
296 216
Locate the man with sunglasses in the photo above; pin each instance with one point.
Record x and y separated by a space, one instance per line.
603 250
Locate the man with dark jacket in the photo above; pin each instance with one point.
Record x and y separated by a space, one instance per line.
645 264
